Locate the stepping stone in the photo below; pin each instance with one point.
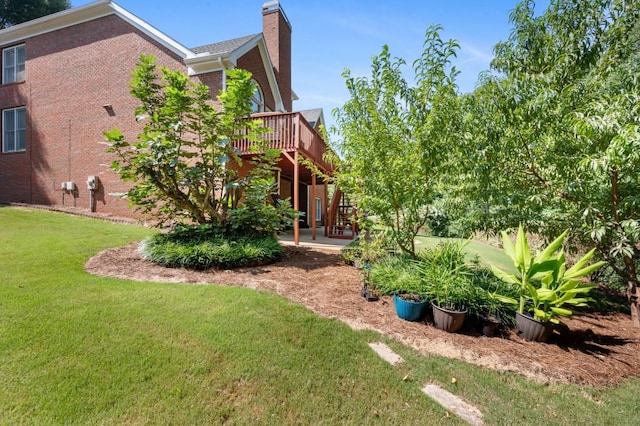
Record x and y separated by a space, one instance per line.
386 353
467 412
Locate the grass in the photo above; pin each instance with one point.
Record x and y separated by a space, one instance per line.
487 255
75 348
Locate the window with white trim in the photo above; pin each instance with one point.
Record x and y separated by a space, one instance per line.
13 64
257 100
14 130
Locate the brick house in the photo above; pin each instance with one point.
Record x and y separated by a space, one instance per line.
65 80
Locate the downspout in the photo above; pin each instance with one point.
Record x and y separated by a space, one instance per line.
224 74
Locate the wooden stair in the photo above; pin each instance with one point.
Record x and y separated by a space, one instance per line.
340 214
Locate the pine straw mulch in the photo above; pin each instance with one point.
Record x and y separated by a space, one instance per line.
595 349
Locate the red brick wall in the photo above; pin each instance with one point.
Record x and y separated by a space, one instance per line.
70 74
277 35
252 61
211 79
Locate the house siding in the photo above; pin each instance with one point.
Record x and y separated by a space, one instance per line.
70 74
211 79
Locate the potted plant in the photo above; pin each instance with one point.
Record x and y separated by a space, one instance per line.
547 289
490 323
445 280
449 311
409 306
493 308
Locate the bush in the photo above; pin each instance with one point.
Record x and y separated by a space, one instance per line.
351 252
206 246
363 252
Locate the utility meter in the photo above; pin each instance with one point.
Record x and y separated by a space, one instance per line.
92 182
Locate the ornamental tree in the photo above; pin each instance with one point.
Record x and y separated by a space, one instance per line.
554 129
13 12
184 166
397 138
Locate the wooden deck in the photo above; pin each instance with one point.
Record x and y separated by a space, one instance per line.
291 133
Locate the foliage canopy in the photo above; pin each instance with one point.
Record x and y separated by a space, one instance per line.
13 12
396 137
554 133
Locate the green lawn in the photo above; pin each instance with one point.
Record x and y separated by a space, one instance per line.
80 349
486 254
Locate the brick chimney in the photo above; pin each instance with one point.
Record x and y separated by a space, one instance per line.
276 29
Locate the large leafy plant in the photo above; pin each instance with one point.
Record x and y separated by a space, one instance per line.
547 288
184 165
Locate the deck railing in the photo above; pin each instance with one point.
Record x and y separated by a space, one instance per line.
290 132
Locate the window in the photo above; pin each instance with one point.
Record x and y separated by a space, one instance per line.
13 59
318 209
257 100
14 130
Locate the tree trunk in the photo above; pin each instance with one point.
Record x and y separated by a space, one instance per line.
632 293
632 290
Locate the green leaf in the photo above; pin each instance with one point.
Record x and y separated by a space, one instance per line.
539 270
503 299
540 315
508 248
550 250
504 276
544 294
562 311
522 255
577 273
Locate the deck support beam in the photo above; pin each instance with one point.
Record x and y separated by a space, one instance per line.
313 206
296 197
325 209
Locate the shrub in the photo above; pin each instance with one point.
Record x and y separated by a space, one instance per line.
206 246
351 252
363 252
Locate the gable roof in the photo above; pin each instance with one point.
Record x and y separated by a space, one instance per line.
225 54
225 47
88 12
203 59
314 117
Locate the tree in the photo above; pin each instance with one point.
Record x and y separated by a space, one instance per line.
396 138
555 129
13 12
184 165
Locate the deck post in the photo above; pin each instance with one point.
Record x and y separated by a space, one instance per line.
296 197
313 206
325 209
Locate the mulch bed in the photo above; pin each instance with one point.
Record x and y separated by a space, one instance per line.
595 349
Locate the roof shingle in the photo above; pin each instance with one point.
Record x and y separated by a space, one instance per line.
224 47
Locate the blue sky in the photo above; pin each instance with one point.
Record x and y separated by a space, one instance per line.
331 35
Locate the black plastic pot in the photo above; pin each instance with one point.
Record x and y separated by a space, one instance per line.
448 320
489 325
531 329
